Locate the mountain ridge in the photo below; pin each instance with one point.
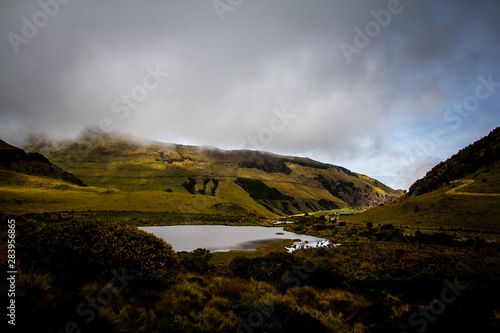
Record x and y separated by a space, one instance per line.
17 160
483 152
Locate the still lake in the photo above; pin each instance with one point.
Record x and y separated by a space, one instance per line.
222 238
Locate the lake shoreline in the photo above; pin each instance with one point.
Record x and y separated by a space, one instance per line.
224 238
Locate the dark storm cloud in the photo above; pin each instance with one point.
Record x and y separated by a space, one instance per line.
226 79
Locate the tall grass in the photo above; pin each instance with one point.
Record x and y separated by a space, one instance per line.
35 286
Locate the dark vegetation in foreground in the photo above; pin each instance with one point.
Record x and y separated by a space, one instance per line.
99 275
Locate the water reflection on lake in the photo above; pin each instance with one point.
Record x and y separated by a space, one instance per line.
222 238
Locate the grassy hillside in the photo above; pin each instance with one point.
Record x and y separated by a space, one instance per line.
262 183
21 194
482 153
462 192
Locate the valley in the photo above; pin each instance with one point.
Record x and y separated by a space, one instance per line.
80 205
250 166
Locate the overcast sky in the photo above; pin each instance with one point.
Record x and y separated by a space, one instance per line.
385 88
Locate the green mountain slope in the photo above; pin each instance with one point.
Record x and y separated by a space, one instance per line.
250 180
481 154
462 192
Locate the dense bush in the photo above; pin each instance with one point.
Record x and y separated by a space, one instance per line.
386 226
319 226
197 261
91 250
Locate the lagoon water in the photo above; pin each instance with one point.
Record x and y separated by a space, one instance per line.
222 238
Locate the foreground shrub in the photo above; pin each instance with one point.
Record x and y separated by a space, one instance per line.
85 251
